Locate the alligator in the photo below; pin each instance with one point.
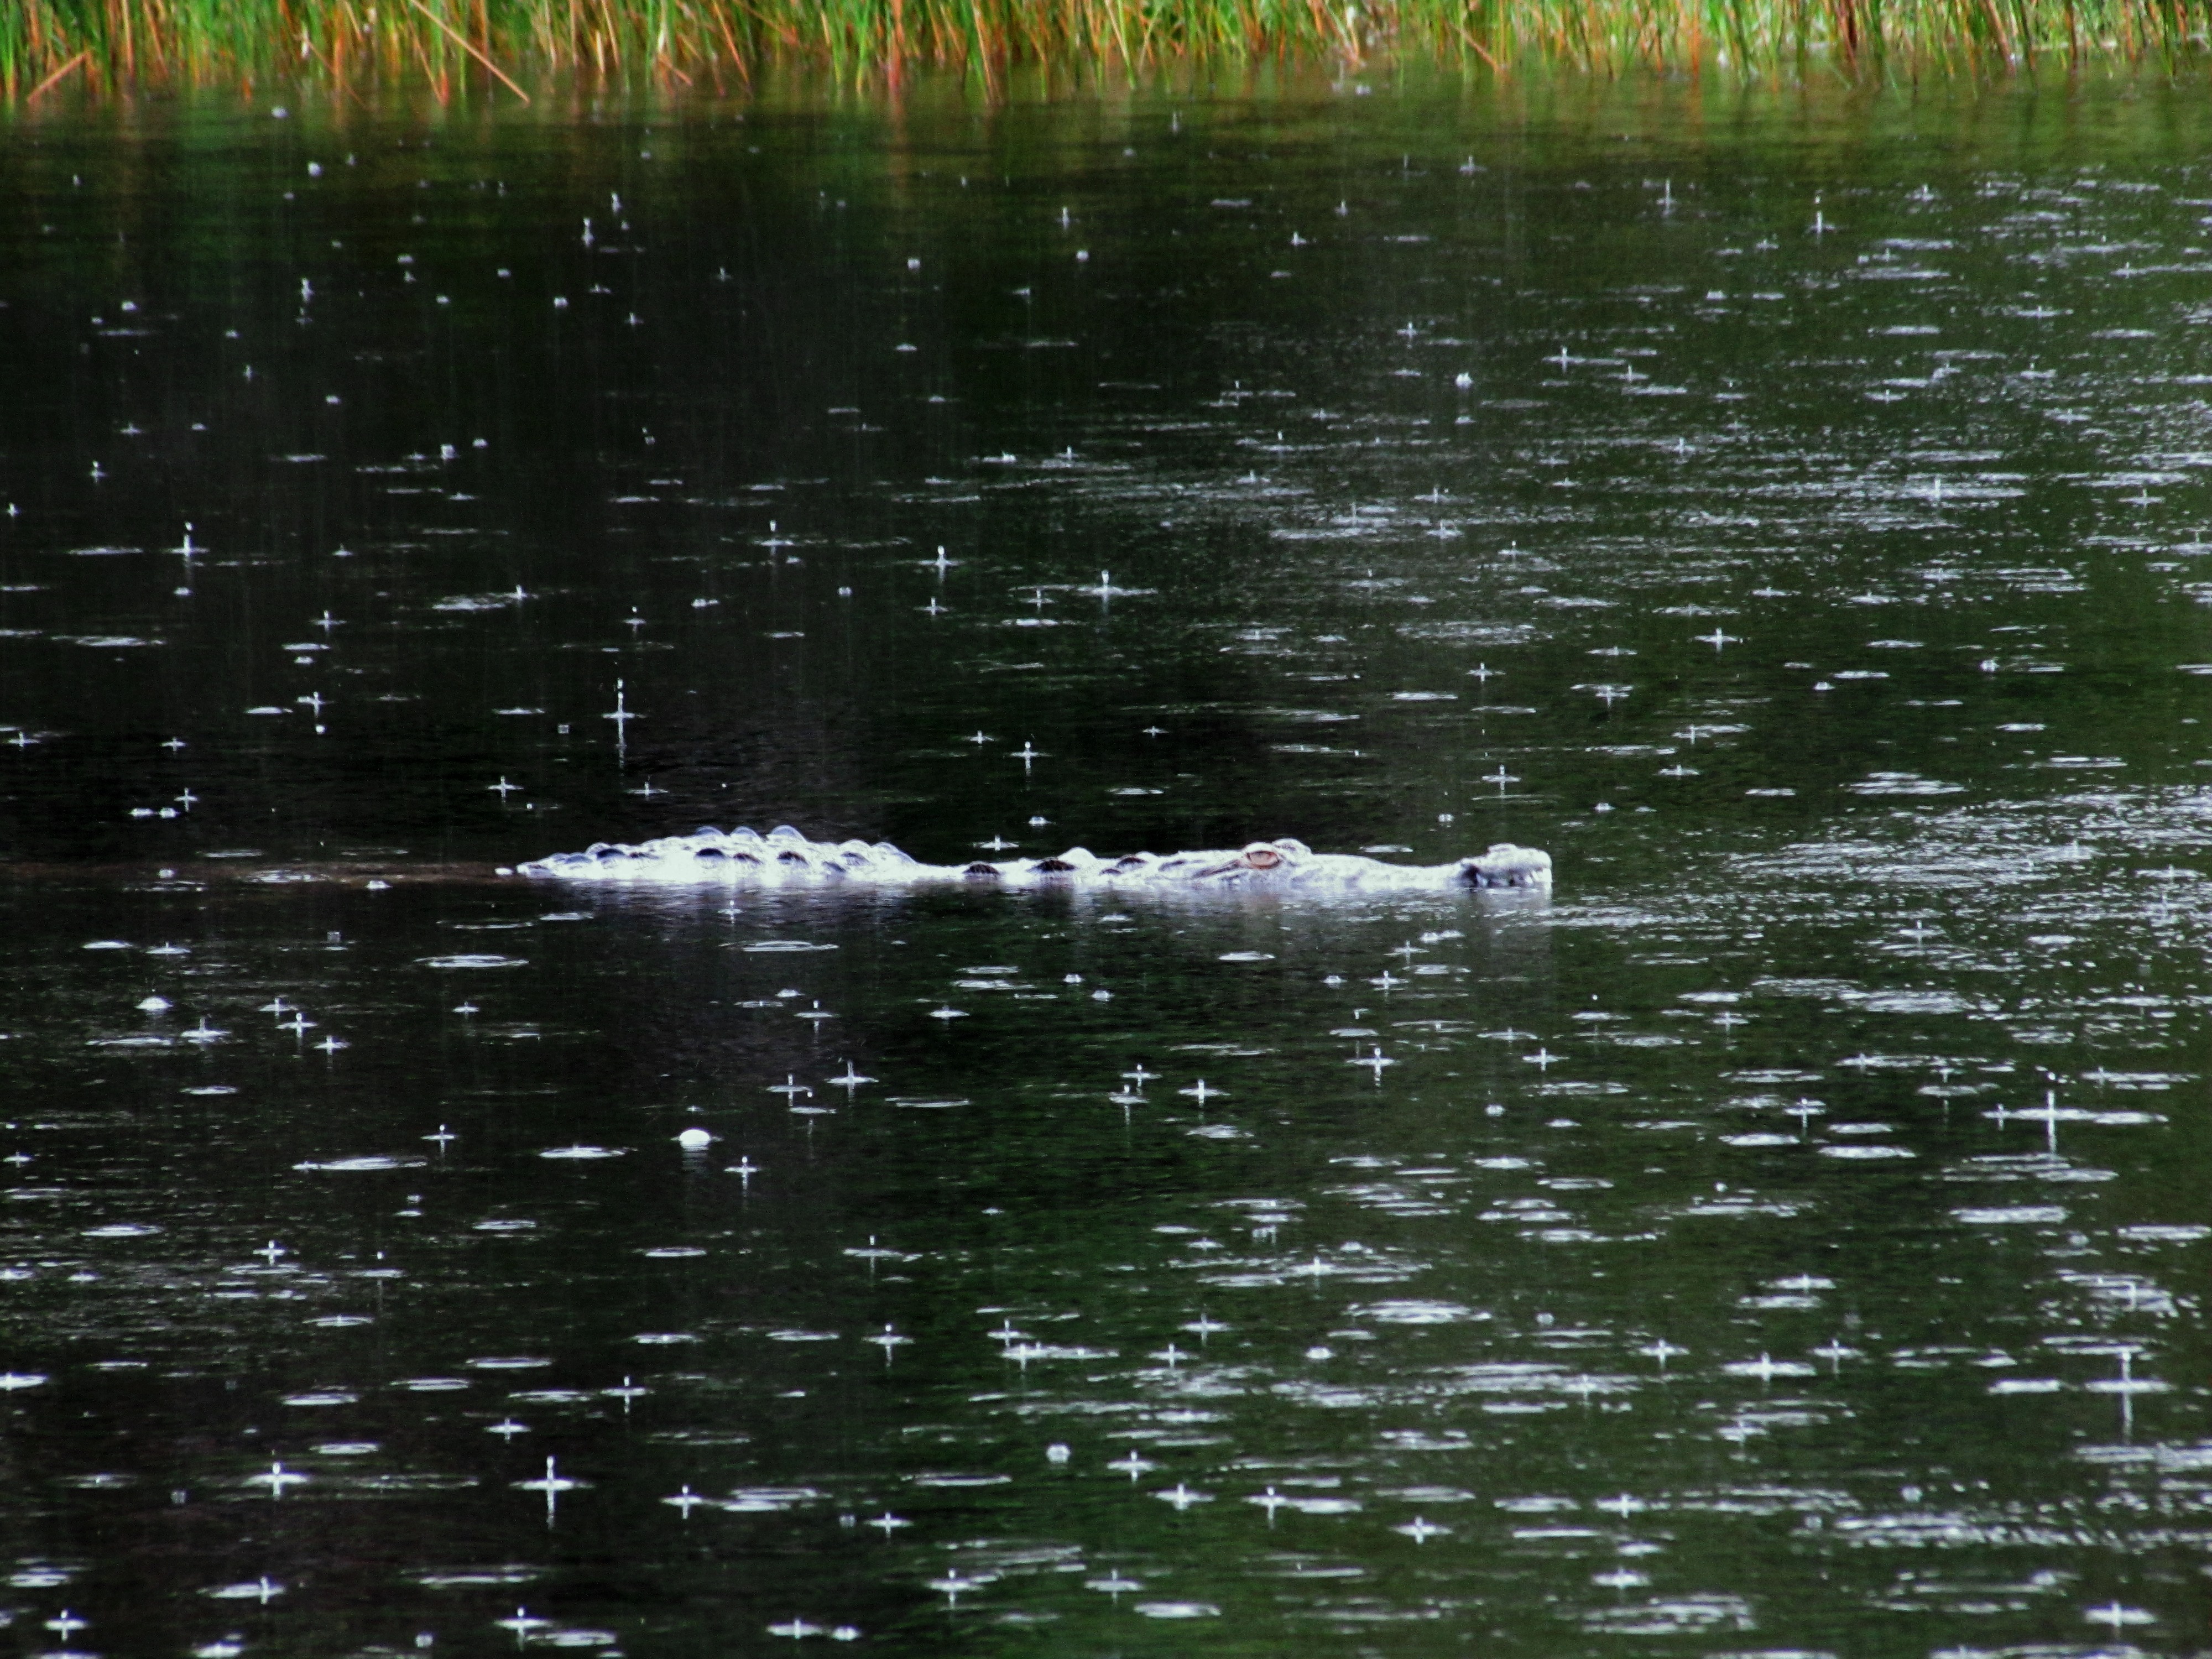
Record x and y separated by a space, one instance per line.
783 857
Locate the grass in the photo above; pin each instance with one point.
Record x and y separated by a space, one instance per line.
46 44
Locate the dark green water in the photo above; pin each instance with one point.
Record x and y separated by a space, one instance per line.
1787 508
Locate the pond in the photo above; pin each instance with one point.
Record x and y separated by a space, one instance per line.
1785 507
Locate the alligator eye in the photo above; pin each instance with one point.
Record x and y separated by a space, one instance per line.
1054 866
791 858
1263 858
981 869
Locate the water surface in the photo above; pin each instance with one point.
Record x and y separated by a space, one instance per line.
1787 508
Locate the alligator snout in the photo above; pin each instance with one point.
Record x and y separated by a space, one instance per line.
1478 877
1507 866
